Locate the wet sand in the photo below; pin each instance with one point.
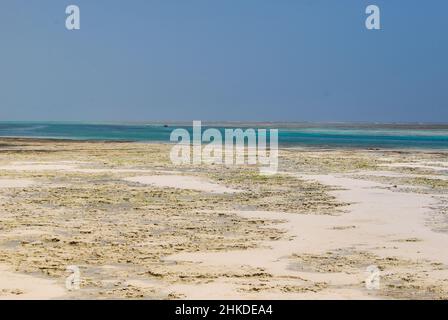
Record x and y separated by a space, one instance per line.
139 227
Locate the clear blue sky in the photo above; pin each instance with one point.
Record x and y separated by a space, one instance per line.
297 60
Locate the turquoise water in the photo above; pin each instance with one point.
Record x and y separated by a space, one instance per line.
301 134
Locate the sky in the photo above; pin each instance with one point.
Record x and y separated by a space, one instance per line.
234 60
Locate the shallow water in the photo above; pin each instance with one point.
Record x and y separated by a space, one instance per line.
300 134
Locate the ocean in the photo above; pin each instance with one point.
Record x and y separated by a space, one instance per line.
364 135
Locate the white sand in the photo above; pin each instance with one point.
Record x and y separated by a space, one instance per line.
19 233
377 221
391 174
15 183
413 165
378 218
182 182
15 285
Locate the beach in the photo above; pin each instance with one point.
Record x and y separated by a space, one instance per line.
139 227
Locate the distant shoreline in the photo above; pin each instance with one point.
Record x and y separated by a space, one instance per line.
267 124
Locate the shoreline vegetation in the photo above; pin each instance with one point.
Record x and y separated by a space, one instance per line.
139 227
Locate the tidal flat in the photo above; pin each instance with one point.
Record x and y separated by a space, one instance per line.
139 227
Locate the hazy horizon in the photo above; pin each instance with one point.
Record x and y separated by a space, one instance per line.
280 124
